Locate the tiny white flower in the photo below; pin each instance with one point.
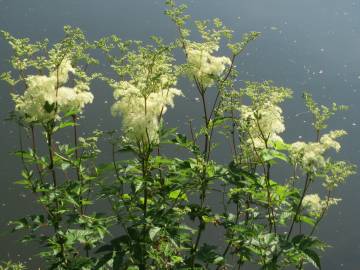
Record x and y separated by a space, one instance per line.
45 93
205 66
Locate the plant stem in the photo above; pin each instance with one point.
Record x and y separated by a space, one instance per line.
35 153
233 132
206 143
270 208
117 170
78 174
144 168
231 240
306 186
204 183
322 214
51 156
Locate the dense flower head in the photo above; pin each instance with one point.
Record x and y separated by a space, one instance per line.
46 96
141 114
74 99
263 124
329 139
262 119
203 65
146 90
61 73
311 155
315 206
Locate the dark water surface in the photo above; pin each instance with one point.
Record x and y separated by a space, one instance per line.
306 45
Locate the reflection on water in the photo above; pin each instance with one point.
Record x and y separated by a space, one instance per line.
306 45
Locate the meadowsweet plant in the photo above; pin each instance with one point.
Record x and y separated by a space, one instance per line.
50 90
162 206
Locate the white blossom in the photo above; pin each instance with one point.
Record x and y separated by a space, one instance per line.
45 96
311 155
74 99
313 204
141 114
263 124
61 73
205 66
328 140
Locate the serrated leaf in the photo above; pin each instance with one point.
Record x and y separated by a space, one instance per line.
313 258
153 232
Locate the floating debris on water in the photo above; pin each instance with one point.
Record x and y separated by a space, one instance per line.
292 61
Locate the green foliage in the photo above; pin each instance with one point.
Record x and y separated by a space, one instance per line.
9 265
321 113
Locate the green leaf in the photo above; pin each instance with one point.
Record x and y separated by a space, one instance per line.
178 194
118 260
298 238
133 267
71 200
19 224
313 258
23 182
107 257
270 154
279 145
219 260
49 107
64 125
153 232
65 166
307 220
208 254
208 219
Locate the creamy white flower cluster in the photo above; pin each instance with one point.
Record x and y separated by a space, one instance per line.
141 114
310 155
46 97
315 206
264 123
203 65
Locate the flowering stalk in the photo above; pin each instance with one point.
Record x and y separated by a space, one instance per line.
144 167
271 213
298 208
327 204
35 153
78 163
49 135
202 68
